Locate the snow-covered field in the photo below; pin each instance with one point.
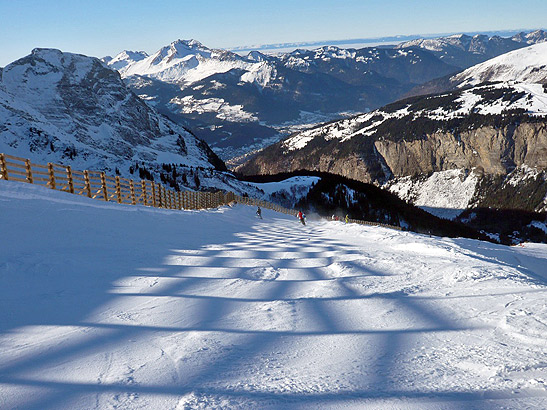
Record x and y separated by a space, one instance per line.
112 306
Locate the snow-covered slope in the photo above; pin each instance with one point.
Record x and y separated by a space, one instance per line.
528 65
71 109
125 58
445 193
132 307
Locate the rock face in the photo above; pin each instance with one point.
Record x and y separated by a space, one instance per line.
495 151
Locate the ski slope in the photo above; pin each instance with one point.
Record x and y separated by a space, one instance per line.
112 306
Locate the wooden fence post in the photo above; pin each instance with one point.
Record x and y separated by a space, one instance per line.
3 167
87 183
51 175
29 171
154 194
118 189
103 186
160 201
144 193
132 188
70 180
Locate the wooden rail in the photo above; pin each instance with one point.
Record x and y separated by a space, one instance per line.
98 185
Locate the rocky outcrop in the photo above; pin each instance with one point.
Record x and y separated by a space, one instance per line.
495 151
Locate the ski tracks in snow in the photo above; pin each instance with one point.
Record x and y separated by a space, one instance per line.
279 315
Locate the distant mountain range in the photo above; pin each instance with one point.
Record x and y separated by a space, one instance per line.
241 103
463 51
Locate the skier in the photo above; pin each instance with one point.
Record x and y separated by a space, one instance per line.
259 212
347 218
300 216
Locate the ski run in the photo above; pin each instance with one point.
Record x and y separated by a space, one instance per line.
116 306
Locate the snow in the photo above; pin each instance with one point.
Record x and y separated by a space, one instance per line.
522 65
125 58
221 107
288 192
287 184
444 193
114 306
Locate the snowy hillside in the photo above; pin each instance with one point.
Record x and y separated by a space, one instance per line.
483 100
217 309
526 65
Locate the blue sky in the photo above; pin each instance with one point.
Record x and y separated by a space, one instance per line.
105 27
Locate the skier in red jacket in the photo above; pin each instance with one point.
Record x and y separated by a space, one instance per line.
300 216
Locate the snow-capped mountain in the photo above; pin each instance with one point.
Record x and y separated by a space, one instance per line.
124 59
72 109
185 62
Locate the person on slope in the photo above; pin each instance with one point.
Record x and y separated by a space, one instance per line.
259 212
300 216
347 218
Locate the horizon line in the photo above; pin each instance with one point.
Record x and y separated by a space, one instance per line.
387 40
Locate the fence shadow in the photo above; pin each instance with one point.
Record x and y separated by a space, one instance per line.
267 317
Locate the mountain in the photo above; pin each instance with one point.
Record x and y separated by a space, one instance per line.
463 51
495 131
124 58
239 103
72 109
528 65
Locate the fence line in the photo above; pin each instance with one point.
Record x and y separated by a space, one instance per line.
98 185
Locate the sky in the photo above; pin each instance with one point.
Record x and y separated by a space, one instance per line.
106 27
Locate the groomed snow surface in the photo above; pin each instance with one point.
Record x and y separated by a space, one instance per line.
114 306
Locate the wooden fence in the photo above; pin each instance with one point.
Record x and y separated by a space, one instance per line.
98 185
